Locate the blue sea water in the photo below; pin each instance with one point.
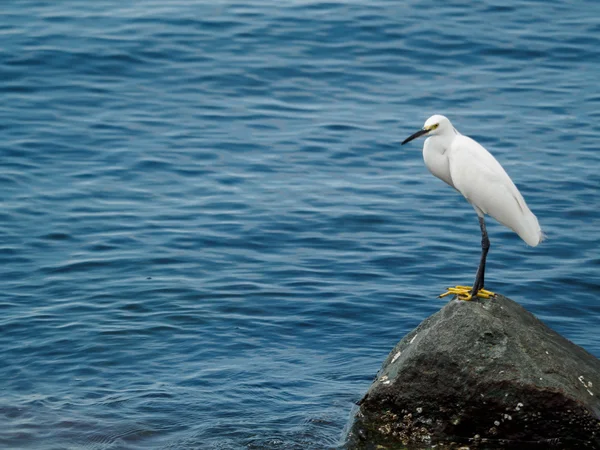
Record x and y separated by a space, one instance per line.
210 236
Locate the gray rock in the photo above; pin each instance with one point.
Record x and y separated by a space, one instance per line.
485 374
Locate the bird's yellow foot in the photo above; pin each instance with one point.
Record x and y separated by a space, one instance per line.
464 293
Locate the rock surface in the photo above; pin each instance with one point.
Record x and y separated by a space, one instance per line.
482 374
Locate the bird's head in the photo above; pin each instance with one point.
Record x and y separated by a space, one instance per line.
435 125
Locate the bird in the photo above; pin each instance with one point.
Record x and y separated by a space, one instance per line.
468 167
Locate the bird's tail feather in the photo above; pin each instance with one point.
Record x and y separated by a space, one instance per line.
530 231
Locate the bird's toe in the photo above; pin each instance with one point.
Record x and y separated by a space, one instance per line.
465 293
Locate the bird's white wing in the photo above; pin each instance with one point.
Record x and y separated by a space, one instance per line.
486 185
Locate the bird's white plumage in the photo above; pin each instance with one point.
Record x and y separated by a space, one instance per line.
468 167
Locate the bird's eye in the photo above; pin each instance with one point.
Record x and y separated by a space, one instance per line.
434 126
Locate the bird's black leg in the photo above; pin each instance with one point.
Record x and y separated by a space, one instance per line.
485 246
467 292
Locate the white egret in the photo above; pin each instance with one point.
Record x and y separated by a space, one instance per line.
469 168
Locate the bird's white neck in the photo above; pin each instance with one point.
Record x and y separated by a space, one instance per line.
440 142
435 157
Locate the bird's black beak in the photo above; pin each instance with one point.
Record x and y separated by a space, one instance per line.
414 136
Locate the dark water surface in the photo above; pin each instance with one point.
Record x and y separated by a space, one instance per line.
210 236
